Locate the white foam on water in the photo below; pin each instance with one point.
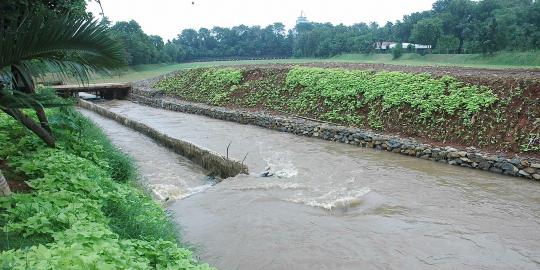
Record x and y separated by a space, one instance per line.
167 192
198 189
287 172
280 165
332 201
271 185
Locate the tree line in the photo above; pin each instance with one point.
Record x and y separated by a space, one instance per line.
216 43
451 26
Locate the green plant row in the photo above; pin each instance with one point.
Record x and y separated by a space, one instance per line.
210 85
503 116
331 94
79 214
345 91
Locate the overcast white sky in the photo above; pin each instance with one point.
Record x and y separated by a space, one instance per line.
168 18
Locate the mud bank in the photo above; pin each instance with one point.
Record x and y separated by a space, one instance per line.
215 163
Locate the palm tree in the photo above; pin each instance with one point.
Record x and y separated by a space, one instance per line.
61 47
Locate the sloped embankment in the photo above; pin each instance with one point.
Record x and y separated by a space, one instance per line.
492 110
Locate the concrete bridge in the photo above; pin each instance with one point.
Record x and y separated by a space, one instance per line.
104 90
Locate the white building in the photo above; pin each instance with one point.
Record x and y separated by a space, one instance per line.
386 45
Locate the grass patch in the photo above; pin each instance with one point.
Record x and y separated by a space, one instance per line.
85 210
141 72
498 60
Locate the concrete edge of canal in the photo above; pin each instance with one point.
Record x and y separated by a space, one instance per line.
216 163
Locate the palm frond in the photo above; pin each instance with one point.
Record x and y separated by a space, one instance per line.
66 47
13 99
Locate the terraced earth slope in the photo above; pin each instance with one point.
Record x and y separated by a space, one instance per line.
496 110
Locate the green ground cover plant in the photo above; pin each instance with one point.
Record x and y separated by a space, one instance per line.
212 85
331 94
484 111
344 92
84 209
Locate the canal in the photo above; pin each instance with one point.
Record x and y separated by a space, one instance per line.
329 205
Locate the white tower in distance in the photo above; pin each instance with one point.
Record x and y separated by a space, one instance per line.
302 18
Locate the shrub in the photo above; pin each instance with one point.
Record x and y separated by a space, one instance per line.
397 52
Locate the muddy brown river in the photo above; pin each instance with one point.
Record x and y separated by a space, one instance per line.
331 205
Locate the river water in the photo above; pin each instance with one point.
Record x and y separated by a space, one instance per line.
168 175
331 205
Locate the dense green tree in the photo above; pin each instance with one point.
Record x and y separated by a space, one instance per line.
447 44
490 39
238 41
14 11
403 29
139 47
427 31
456 16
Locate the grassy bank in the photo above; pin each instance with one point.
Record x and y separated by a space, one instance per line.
498 61
489 112
141 72
81 207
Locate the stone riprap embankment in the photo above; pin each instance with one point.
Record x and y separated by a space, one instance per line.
143 93
215 163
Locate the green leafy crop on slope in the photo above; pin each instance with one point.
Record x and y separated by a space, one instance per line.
76 215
